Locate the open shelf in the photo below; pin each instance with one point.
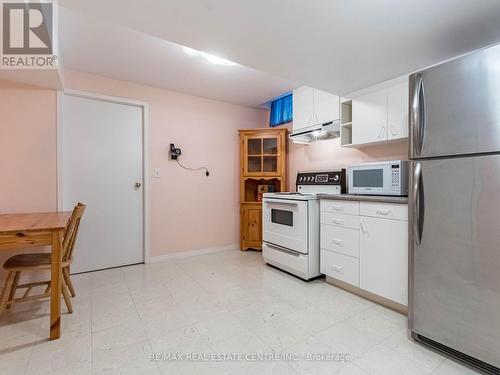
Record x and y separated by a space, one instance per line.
346 122
345 135
254 186
346 111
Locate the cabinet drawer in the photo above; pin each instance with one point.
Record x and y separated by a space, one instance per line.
340 220
340 266
341 240
384 210
343 207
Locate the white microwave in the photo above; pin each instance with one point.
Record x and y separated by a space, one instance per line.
380 178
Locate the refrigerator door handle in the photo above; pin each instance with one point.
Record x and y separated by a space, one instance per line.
417 118
418 204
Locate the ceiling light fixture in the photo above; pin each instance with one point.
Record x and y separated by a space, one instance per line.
210 58
316 133
190 51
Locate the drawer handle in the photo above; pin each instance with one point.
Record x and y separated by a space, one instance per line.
337 268
338 208
20 235
363 226
338 221
338 242
383 212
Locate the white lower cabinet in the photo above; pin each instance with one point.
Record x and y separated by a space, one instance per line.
366 246
383 266
340 266
341 240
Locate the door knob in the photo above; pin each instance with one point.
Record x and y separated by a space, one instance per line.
137 185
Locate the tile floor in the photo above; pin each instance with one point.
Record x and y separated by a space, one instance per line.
229 302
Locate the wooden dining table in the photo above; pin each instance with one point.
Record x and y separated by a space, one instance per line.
25 230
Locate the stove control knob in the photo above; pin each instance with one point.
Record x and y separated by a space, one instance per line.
336 177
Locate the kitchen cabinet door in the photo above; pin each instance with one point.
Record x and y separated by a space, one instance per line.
369 118
326 107
251 226
397 111
262 155
303 107
384 258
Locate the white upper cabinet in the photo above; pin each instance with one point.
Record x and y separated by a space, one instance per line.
311 107
397 111
381 115
326 107
369 118
303 108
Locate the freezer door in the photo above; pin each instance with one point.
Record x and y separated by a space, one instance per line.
455 107
455 254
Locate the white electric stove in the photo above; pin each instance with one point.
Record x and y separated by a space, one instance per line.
291 223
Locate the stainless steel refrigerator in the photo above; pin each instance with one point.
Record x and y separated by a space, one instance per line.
455 208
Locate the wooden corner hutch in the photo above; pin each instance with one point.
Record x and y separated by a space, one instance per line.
263 159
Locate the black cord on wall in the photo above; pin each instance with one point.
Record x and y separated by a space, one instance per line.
175 153
207 173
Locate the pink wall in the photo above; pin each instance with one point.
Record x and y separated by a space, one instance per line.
328 154
188 210
27 151
27 148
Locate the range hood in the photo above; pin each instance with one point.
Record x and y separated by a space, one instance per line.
318 132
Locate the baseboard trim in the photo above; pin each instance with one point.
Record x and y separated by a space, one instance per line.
192 253
368 295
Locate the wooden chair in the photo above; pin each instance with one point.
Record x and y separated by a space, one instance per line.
42 262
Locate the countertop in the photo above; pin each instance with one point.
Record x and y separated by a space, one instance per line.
365 198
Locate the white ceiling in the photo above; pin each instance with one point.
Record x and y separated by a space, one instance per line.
103 48
336 45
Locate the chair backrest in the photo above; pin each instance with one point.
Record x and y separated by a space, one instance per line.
72 231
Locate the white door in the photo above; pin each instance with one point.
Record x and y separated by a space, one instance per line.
397 111
326 107
101 144
369 118
302 107
383 268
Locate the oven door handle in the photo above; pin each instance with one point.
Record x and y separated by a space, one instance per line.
280 201
283 249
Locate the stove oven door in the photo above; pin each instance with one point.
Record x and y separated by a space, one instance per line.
285 223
